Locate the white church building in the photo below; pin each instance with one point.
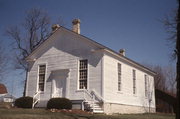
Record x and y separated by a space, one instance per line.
91 75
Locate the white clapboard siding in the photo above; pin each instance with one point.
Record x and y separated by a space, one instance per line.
125 96
64 51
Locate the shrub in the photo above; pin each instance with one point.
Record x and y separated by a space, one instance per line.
59 103
24 102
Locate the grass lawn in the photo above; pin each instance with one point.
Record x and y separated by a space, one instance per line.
45 114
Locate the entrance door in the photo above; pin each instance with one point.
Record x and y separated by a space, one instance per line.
59 86
59 82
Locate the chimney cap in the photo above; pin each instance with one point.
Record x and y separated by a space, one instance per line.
76 21
122 52
55 27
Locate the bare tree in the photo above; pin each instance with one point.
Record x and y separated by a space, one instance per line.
178 62
164 81
173 27
170 23
2 63
159 79
165 78
27 36
170 75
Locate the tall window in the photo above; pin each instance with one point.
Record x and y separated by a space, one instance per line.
42 71
83 72
146 85
119 77
134 81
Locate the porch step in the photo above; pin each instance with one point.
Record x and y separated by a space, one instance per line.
95 107
98 111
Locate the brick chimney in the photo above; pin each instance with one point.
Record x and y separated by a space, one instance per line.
76 25
122 52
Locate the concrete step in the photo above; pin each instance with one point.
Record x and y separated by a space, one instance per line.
98 111
95 107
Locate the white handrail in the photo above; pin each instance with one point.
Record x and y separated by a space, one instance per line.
87 92
97 95
36 98
36 94
93 95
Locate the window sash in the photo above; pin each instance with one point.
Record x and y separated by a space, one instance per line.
42 69
146 85
119 77
83 73
134 81
42 73
82 84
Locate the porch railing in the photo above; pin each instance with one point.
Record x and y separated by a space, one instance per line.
92 96
36 98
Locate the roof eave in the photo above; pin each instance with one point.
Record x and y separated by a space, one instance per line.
35 49
131 62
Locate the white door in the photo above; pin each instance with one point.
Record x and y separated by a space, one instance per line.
58 92
59 87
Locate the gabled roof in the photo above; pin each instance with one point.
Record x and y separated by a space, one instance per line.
104 48
3 89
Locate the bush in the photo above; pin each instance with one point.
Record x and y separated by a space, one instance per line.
24 102
59 103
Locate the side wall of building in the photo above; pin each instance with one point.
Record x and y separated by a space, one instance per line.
110 108
115 99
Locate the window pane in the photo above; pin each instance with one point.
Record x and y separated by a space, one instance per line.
146 85
42 70
119 77
83 74
134 81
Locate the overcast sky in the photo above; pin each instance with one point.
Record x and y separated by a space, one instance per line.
133 25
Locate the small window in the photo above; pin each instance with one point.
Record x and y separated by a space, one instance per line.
83 73
119 77
42 71
134 81
146 85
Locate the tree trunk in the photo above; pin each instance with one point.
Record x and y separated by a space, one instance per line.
178 62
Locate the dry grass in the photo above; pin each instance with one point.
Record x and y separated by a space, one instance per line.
46 114
5 105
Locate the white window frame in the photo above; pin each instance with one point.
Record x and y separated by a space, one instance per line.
37 89
134 81
119 77
146 78
78 82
